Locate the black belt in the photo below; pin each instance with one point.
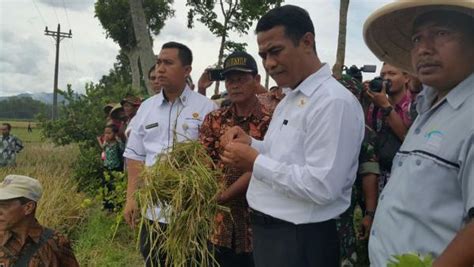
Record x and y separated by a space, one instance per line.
257 217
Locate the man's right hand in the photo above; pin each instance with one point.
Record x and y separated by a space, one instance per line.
204 82
131 212
235 134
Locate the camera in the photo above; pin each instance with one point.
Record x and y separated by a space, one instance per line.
356 72
377 84
215 75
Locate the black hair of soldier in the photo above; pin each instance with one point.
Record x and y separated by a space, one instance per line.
113 127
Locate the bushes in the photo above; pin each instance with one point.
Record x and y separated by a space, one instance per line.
80 121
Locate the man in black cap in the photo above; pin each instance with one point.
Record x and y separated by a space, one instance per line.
232 238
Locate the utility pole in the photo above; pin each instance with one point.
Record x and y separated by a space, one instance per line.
58 36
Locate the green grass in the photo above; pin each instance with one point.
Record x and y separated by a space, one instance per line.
94 245
20 130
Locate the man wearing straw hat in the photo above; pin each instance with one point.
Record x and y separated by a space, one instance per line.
23 241
428 205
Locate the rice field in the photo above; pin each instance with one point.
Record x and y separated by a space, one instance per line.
69 211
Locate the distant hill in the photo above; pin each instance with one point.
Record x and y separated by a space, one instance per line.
46 98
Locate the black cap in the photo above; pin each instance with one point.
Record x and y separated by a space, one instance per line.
240 61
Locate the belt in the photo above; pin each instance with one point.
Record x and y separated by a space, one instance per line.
257 217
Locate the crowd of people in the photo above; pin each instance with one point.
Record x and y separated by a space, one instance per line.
299 158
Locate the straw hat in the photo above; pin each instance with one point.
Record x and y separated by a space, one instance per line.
387 32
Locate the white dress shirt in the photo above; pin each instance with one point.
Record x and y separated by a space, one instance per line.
158 121
309 156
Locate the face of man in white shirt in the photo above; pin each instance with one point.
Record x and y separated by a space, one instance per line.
170 71
282 58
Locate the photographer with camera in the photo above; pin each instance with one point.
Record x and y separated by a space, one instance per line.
388 115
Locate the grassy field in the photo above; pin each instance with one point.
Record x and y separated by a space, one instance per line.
20 130
65 209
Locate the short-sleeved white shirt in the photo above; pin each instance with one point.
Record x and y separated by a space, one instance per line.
158 121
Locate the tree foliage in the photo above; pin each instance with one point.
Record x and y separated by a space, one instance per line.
115 17
234 16
81 119
22 107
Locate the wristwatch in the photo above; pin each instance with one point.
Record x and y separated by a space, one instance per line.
386 111
369 213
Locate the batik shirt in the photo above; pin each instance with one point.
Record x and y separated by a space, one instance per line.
9 146
56 252
233 230
114 155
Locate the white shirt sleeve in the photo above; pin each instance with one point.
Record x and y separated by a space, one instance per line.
331 149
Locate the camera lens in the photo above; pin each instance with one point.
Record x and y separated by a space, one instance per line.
376 84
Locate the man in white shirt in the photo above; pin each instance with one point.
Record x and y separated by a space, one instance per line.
173 114
304 168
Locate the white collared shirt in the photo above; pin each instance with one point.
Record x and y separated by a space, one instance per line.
156 123
309 156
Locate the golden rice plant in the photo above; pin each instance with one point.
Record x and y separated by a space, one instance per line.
184 181
60 206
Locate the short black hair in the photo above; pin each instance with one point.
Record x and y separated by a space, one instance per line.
151 70
113 127
9 126
184 53
450 18
294 19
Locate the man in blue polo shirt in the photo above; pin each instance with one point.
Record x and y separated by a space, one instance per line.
428 205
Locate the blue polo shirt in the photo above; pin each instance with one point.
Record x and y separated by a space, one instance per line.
426 202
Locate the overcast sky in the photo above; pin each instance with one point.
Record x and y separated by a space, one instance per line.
27 55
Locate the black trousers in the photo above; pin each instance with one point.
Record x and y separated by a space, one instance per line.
150 251
226 257
277 243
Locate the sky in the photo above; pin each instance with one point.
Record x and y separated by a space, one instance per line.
27 56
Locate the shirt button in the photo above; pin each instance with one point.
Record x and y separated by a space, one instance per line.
418 162
400 163
417 131
373 232
381 197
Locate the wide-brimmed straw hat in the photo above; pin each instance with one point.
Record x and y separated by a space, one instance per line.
388 31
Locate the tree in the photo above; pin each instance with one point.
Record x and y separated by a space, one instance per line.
22 107
341 40
237 16
116 18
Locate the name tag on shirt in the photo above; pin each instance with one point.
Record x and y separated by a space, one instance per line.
153 125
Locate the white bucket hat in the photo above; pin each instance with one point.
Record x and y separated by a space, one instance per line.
15 186
387 32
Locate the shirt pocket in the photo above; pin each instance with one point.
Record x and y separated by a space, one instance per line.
190 128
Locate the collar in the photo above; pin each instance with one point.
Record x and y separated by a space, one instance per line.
34 233
309 85
183 98
455 97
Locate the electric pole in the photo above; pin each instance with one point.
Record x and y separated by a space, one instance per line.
58 36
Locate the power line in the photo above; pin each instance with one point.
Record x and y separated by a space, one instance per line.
72 43
37 9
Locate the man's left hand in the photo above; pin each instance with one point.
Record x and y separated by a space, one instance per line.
379 99
239 155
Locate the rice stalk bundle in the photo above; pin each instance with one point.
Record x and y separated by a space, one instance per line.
184 181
